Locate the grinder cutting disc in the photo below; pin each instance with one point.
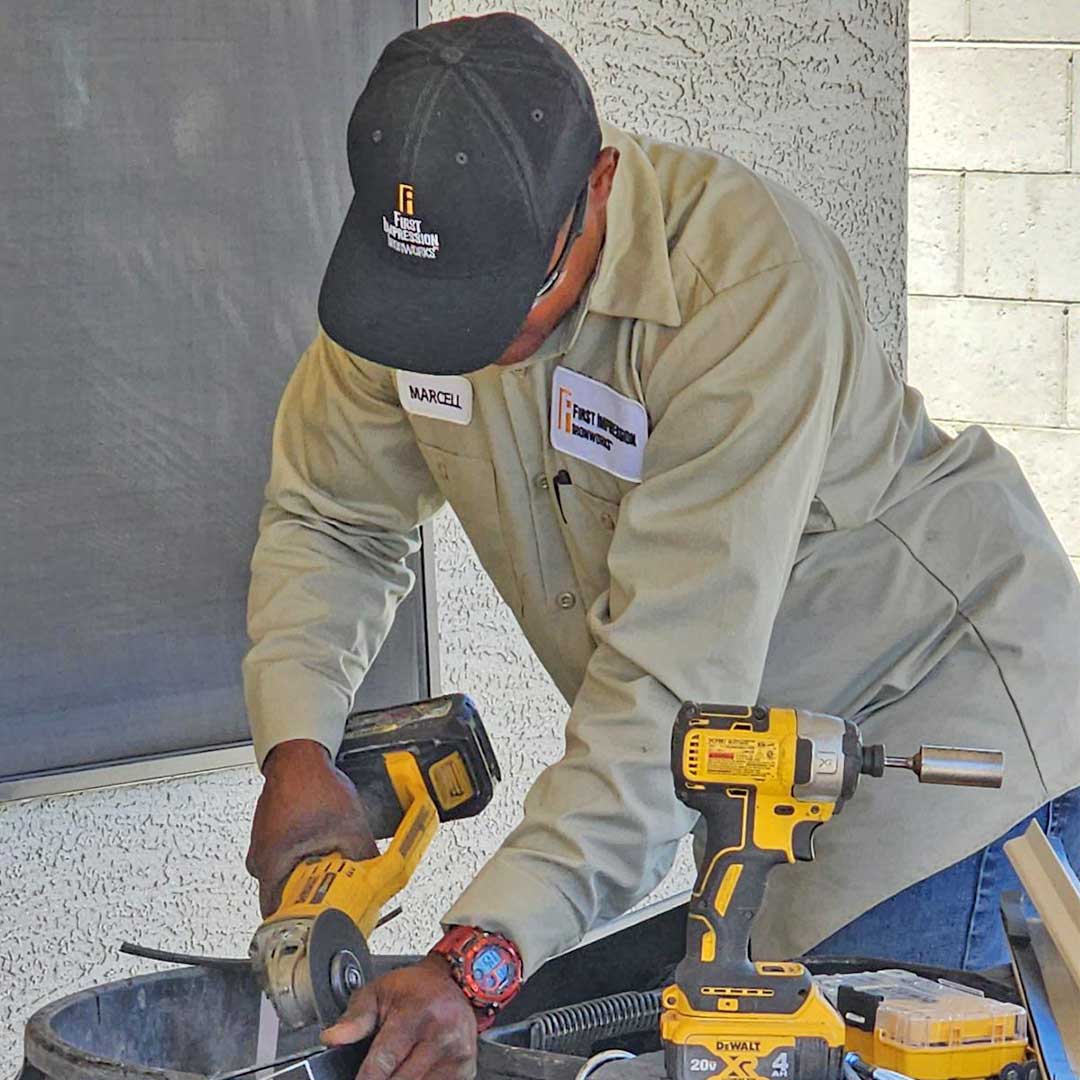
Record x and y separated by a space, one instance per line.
339 962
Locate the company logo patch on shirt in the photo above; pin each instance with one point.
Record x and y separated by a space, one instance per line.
594 423
442 397
405 232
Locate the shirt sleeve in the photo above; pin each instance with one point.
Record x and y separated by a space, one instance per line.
348 490
742 406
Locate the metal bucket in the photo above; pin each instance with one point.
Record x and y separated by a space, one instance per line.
194 1023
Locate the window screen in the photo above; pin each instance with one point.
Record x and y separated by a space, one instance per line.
172 179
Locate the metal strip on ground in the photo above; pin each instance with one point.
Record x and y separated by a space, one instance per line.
266 1041
1061 991
1049 1048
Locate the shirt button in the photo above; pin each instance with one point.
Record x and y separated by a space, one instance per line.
542 482
567 600
607 521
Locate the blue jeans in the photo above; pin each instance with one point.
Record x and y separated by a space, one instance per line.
952 918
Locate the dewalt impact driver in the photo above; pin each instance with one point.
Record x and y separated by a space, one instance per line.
763 780
413 766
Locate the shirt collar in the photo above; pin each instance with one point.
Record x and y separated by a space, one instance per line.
562 338
633 279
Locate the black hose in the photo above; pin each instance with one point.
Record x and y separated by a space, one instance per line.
577 1027
222 962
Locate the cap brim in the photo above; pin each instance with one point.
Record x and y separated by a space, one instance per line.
378 307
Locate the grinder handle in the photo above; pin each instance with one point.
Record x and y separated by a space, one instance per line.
361 889
390 872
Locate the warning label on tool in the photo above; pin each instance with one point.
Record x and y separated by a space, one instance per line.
738 758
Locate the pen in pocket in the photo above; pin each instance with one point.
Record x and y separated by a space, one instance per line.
562 478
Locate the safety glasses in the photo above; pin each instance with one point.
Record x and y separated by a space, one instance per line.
577 223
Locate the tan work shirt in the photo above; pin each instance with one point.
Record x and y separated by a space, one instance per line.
775 519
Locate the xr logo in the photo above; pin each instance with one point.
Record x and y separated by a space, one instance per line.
738 1067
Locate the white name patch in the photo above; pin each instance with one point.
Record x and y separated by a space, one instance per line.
594 423
442 397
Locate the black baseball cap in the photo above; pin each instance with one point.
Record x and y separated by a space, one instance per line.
468 150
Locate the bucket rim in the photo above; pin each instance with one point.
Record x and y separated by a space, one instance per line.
44 1049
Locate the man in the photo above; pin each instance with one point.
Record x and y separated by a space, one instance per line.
642 376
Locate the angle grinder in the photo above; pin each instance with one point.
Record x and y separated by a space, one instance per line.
414 766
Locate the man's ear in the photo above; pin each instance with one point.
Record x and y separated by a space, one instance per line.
602 176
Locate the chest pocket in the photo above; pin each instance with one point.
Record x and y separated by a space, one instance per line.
590 523
469 486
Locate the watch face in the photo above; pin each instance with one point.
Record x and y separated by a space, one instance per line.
493 970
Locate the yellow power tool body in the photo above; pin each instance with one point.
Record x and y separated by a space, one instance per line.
413 766
763 781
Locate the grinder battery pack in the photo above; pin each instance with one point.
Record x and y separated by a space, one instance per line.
449 745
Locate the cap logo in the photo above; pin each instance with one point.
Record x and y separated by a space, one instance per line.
405 233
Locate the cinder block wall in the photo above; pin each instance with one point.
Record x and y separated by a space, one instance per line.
994 231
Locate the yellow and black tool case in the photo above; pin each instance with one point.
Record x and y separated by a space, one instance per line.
929 1030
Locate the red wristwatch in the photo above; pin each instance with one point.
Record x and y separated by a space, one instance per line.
486 966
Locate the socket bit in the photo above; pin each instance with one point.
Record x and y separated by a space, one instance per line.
957 765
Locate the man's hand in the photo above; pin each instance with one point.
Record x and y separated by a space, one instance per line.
426 1029
307 807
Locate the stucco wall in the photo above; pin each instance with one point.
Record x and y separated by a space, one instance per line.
812 93
995 231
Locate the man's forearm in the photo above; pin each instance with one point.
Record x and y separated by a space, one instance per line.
348 488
